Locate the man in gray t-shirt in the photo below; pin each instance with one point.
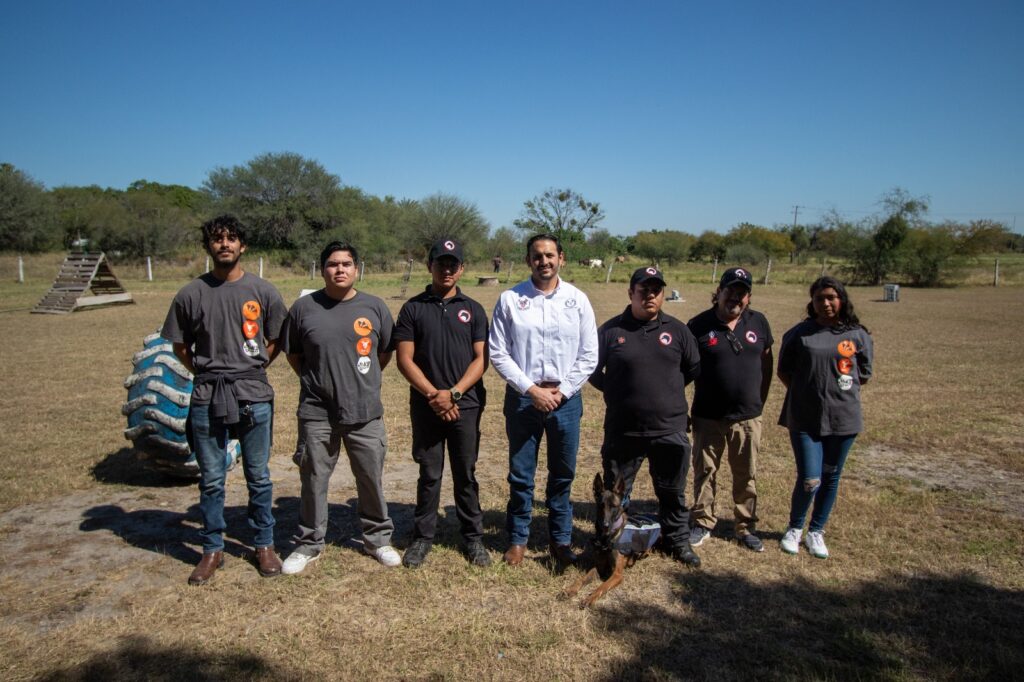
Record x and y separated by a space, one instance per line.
224 327
336 340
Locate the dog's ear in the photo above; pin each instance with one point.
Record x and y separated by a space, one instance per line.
598 486
620 486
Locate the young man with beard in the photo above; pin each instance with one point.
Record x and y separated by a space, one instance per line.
224 327
735 345
646 359
543 343
337 341
441 338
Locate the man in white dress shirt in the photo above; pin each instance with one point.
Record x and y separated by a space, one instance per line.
543 343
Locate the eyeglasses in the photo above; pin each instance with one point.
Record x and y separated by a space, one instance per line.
737 347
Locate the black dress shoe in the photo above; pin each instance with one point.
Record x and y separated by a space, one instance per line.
563 555
684 554
477 553
417 553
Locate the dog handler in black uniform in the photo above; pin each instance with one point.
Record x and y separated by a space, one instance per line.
645 360
441 338
735 345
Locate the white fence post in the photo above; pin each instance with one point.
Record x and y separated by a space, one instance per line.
261 267
767 271
995 276
149 268
207 263
21 270
714 273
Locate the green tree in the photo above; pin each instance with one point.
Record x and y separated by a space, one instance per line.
930 256
506 242
283 198
984 236
671 246
878 257
561 212
446 215
708 246
26 213
770 242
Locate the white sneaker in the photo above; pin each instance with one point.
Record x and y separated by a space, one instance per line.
698 534
790 542
815 542
297 562
387 556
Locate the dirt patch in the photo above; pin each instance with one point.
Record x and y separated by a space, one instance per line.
80 556
995 489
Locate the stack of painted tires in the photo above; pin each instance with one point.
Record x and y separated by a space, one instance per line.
159 391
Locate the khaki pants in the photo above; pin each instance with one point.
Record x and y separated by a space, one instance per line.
711 440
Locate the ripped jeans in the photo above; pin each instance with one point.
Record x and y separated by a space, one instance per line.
819 465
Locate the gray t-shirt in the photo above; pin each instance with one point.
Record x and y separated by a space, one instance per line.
826 368
339 342
227 325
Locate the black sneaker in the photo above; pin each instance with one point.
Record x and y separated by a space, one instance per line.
477 553
684 554
752 542
417 553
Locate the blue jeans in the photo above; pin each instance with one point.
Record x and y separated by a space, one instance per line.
210 438
819 465
524 425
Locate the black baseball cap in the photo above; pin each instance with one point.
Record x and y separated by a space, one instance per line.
642 275
445 247
736 276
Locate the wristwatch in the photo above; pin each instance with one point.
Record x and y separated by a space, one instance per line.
456 394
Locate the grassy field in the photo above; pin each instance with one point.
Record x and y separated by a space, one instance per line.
926 579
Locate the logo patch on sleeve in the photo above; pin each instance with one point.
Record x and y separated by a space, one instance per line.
464 316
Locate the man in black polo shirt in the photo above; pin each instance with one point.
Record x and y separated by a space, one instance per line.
645 360
735 345
441 337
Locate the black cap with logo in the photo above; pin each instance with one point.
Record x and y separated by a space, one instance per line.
445 247
736 276
644 274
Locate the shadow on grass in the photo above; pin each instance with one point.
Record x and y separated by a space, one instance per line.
176 533
126 468
138 658
918 626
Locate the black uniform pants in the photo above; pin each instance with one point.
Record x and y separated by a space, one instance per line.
668 459
429 436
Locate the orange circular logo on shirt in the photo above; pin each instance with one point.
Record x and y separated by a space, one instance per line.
847 348
364 346
250 329
362 326
251 310
845 365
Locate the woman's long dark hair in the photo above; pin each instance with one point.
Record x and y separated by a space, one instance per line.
847 316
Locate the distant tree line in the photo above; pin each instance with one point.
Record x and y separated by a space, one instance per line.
293 205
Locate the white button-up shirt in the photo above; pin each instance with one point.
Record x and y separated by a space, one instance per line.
537 337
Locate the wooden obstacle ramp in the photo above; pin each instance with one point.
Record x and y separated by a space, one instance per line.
85 280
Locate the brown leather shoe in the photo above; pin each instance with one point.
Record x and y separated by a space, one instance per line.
562 555
206 568
514 555
268 562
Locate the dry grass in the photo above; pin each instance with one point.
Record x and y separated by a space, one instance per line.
925 583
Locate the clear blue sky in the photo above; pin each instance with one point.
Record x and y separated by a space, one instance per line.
673 115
